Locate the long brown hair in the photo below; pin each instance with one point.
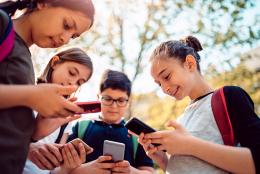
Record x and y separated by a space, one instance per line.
73 54
84 6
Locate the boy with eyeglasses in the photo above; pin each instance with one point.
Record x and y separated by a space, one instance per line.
115 91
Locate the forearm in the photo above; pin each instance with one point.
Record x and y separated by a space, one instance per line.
14 95
81 169
226 157
162 163
142 170
61 170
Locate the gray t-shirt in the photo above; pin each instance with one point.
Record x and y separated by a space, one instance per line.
16 123
199 121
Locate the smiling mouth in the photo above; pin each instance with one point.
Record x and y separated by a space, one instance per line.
175 92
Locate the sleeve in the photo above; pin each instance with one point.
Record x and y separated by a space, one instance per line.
74 133
245 122
142 159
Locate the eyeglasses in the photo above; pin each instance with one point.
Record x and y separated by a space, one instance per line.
108 101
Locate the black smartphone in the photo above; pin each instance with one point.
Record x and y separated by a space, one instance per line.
137 126
90 106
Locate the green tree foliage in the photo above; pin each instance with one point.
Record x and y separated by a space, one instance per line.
126 30
239 76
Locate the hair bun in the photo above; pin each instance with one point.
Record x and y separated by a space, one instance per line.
192 42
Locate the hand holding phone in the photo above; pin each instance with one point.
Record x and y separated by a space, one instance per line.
76 142
137 126
114 149
90 106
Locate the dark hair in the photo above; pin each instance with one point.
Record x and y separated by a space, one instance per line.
73 54
115 80
179 49
85 6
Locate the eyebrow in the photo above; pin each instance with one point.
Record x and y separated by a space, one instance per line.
162 71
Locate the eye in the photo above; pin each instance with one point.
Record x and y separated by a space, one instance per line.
80 82
72 73
74 36
122 100
167 77
107 99
66 25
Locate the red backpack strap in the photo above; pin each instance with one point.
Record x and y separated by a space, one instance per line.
7 41
220 112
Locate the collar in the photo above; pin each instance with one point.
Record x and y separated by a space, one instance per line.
121 124
201 97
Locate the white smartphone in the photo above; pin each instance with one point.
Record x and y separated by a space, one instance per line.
114 149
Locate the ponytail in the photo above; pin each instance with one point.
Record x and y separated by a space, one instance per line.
190 45
10 7
192 42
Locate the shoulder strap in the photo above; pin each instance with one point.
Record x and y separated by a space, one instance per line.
7 40
135 145
220 112
62 128
83 125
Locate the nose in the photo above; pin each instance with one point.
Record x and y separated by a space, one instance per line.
114 104
165 88
72 81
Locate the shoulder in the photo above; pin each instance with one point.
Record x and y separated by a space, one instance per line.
236 94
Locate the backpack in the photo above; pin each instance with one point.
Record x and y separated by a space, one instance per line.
84 124
7 40
220 112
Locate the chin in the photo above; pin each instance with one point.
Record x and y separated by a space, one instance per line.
42 45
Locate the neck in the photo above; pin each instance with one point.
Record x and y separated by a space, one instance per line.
200 88
22 28
109 121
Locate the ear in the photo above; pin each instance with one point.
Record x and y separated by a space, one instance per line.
190 63
98 96
54 60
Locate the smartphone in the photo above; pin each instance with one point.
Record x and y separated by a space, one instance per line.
76 142
137 126
90 106
114 149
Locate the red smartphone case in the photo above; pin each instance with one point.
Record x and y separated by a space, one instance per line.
90 106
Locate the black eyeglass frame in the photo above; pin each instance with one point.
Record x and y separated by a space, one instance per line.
117 101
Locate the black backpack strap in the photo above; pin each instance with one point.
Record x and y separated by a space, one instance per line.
62 128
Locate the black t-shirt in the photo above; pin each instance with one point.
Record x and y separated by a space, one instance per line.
245 122
16 123
99 131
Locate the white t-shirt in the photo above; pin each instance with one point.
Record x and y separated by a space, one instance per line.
199 121
30 167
